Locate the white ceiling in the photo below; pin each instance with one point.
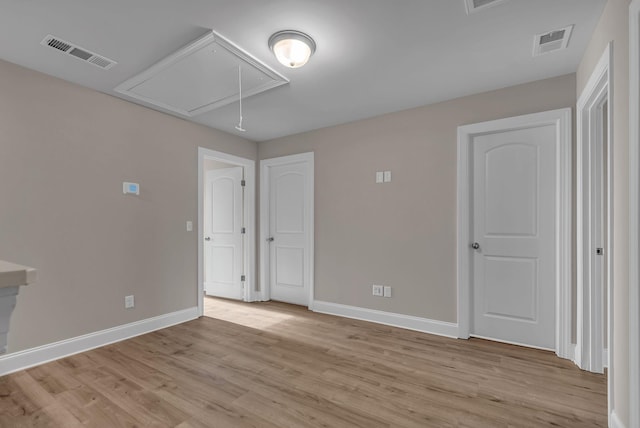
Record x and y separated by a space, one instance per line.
373 56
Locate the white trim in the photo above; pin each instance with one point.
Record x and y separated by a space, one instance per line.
265 164
590 293
605 358
561 119
614 421
634 214
464 236
408 322
250 294
22 360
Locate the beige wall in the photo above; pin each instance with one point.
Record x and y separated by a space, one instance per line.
64 153
403 233
614 26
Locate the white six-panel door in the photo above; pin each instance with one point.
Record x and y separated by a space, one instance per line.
514 205
223 238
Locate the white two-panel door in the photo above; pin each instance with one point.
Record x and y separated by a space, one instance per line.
514 206
223 234
289 235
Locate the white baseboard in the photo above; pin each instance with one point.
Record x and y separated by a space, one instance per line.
614 421
21 360
571 353
409 322
577 355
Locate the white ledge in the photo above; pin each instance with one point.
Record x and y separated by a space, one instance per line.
13 275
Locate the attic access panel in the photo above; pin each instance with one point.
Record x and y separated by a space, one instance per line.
201 77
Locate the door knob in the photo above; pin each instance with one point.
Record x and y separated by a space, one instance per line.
207 238
270 239
475 246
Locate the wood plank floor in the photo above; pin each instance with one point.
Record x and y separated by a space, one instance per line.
278 365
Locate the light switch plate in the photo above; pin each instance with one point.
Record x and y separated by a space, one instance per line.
379 177
387 291
387 176
129 302
189 226
377 290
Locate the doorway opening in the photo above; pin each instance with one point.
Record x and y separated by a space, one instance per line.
226 227
594 261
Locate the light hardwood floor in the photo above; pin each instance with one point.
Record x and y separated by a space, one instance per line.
278 365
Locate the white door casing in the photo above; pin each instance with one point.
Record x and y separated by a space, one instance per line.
594 192
561 122
512 290
249 213
223 233
286 211
634 215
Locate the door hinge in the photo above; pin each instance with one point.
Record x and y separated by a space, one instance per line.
600 251
243 230
242 278
243 183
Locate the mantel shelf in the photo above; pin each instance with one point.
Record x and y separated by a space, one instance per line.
13 275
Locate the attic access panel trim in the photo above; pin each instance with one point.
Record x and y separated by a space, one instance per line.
201 77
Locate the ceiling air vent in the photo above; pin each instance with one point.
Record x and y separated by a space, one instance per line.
551 41
78 52
474 6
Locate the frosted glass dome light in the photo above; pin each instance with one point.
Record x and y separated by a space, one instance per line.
292 48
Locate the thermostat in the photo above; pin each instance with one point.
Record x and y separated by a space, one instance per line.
130 188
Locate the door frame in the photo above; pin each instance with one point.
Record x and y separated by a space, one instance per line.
634 212
561 119
265 189
589 316
249 248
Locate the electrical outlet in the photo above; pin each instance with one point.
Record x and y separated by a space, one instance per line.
378 290
128 302
387 291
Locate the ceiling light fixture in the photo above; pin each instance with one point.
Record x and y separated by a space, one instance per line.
292 48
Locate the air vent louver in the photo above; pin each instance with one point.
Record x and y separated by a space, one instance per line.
78 52
480 3
553 36
101 62
57 44
551 41
474 6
